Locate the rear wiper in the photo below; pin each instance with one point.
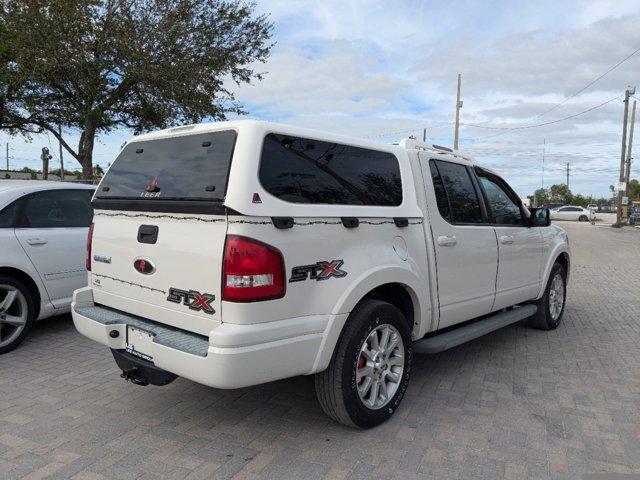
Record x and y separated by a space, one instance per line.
158 199
193 199
114 197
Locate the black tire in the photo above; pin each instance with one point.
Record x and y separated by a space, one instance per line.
543 319
583 218
336 387
30 305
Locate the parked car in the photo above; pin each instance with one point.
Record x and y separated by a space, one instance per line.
43 230
238 253
605 209
593 207
573 212
551 206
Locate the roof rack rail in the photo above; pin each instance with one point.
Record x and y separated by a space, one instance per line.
412 144
440 147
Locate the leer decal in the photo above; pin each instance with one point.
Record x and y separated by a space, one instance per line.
322 270
193 299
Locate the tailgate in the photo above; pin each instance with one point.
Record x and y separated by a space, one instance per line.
174 280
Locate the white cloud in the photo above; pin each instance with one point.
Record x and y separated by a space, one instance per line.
373 67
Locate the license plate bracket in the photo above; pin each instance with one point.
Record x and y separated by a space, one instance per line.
139 343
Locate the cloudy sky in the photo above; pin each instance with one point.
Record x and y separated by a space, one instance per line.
386 70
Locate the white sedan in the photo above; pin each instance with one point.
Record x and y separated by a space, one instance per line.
572 212
43 234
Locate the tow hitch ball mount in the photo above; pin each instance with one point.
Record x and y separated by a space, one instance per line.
130 376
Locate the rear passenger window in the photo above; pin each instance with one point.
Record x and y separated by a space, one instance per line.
59 208
464 205
302 170
441 195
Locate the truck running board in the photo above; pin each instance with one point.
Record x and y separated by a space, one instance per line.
458 336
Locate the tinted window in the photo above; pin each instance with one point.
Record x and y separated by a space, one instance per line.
58 208
301 170
502 208
441 195
8 215
463 200
192 167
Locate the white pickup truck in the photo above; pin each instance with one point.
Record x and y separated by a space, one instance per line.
238 253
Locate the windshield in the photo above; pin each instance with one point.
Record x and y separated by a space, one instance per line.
192 167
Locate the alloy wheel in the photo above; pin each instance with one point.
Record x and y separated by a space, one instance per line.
13 314
556 297
380 366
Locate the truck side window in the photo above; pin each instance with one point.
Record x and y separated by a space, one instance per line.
441 195
464 205
303 170
503 210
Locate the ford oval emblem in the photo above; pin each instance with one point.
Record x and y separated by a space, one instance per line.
144 266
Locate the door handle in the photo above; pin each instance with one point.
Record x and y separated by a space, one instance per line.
36 241
506 239
447 241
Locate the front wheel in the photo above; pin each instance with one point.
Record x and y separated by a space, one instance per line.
551 305
583 218
369 371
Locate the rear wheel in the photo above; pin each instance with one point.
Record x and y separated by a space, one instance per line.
583 218
17 310
369 371
551 305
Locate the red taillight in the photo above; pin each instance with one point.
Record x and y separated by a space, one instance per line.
89 241
252 271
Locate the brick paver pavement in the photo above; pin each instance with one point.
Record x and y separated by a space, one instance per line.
515 404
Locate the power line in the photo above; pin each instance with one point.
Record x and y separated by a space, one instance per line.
523 127
575 93
589 84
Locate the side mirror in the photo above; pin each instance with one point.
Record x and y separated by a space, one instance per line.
540 217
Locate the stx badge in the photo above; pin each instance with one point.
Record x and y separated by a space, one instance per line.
318 271
193 299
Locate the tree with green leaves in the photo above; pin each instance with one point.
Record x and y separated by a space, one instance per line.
540 197
91 66
633 189
560 193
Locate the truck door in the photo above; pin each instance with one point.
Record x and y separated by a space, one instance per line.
519 245
466 248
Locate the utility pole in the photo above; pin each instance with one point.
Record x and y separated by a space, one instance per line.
7 157
458 107
424 135
627 93
544 145
630 145
61 159
567 175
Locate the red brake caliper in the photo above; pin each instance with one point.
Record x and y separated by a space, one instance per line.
362 361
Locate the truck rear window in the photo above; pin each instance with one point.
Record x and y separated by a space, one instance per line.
302 170
192 167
